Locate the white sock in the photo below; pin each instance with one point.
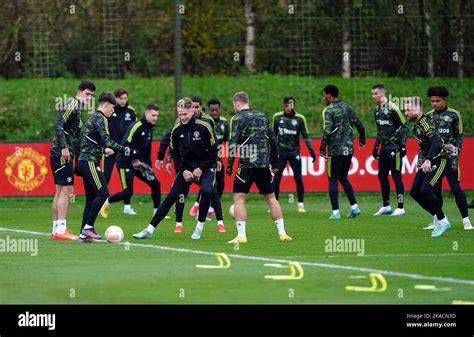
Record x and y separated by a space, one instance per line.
211 209
281 226
220 222
150 229
154 210
107 203
55 226
196 203
200 225
335 212
241 228
384 207
300 204
61 227
88 227
466 220
126 208
355 206
443 221
179 224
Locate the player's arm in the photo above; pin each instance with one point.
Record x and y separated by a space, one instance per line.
175 144
103 131
435 142
130 140
360 127
275 125
211 149
327 130
63 116
233 143
164 143
307 139
273 147
458 131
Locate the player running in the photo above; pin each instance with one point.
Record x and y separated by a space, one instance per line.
338 121
194 151
251 134
139 136
95 138
65 148
288 125
448 123
392 133
432 164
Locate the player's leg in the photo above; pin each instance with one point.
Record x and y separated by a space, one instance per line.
179 210
178 188
107 166
384 168
333 171
193 211
220 181
242 182
295 164
453 178
347 186
127 208
216 204
54 208
126 179
396 169
206 182
428 193
263 180
155 187
282 159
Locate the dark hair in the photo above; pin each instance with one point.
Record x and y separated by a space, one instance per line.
107 97
241 97
120 91
438 91
379 86
289 99
214 101
152 107
332 90
86 85
196 99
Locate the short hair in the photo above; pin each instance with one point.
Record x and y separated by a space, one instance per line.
241 97
152 107
214 101
196 99
184 103
289 99
438 91
379 86
86 85
107 97
332 90
416 100
120 91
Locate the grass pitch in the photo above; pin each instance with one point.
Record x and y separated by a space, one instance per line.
163 269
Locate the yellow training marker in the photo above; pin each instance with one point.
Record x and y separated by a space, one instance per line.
296 270
375 278
223 259
462 302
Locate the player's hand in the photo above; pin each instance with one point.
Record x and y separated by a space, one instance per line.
188 175
454 167
375 152
274 170
168 168
426 166
136 164
219 165
108 151
313 156
197 173
159 164
65 155
228 170
324 155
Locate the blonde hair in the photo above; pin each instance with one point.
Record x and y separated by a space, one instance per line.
241 97
184 103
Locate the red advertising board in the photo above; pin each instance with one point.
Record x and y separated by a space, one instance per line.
26 170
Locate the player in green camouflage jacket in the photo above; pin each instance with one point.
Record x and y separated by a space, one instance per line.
392 133
448 123
338 121
95 138
433 159
252 136
64 150
288 125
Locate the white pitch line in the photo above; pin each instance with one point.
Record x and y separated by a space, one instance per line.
275 260
381 255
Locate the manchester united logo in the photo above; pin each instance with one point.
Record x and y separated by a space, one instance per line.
26 169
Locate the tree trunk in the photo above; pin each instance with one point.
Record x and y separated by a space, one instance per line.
346 41
425 23
460 40
250 37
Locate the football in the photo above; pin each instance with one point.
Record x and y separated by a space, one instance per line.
114 234
231 211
